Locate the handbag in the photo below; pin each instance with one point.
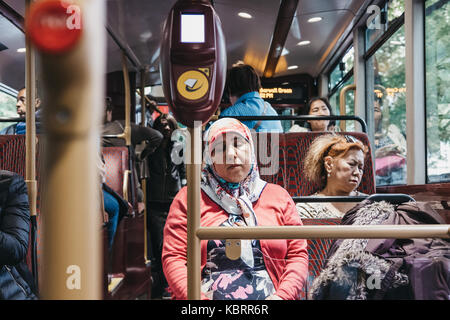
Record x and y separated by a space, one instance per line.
13 286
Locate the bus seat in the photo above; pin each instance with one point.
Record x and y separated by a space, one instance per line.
12 158
293 147
128 263
271 159
317 253
12 153
116 163
296 146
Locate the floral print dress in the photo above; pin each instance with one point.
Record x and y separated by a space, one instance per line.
225 279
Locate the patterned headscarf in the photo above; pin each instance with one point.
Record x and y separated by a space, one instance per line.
235 198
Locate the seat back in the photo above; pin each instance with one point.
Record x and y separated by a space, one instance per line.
270 156
116 164
317 253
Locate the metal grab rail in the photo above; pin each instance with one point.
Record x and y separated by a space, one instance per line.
333 232
299 117
13 119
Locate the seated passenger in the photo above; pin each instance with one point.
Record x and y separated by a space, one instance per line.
233 195
316 107
243 86
115 206
337 163
20 127
139 134
16 281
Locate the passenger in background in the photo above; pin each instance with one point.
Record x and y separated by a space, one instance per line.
233 195
167 176
390 150
16 281
20 127
336 162
316 107
138 135
243 86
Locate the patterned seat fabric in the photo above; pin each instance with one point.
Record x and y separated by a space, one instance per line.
317 253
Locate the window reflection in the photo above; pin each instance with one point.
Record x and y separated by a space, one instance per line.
386 77
437 48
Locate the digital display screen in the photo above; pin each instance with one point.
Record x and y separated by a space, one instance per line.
192 28
284 94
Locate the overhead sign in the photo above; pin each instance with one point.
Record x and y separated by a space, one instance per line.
54 26
294 93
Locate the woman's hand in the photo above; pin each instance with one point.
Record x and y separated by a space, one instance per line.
273 297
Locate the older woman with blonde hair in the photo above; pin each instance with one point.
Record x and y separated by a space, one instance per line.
336 162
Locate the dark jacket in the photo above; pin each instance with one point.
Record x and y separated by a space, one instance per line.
165 176
387 268
15 278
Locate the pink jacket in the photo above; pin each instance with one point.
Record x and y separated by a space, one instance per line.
289 267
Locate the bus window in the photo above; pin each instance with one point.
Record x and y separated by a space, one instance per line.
387 77
380 23
437 99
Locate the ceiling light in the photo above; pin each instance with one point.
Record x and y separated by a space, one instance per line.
304 43
292 67
21 50
314 19
245 15
284 52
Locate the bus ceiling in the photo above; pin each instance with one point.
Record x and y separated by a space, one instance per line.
277 38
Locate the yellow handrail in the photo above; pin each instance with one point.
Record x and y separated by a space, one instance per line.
342 110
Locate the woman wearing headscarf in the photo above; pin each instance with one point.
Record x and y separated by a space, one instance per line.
233 195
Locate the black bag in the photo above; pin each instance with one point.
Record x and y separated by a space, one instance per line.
13 286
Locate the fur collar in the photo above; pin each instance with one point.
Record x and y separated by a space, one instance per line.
352 270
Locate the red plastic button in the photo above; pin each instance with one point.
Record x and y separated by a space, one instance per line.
54 26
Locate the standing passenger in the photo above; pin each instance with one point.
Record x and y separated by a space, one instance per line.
166 179
233 195
243 86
